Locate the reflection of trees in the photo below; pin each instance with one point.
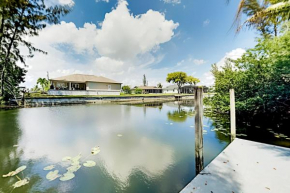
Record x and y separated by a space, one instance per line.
10 157
179 115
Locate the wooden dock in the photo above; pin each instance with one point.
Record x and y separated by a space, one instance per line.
245 167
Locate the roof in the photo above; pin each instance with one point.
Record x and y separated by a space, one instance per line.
171 87
148 87
82 78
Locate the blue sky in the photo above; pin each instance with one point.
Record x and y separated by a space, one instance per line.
123 40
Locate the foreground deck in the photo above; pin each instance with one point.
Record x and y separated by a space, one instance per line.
247 167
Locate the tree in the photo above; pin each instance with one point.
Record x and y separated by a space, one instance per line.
138 91
178 78
43 83
264 15
192 80
144 80
261 79
159 85
20 19
126 89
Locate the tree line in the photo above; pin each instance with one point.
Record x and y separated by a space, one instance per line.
261 77
20 19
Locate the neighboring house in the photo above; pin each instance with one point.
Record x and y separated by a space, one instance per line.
189 89
81 84
150 89
170 89
185 89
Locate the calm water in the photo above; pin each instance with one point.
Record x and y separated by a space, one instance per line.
154 154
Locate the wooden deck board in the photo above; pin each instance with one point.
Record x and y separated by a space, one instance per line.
245 167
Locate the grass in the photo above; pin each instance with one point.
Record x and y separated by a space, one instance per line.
39 95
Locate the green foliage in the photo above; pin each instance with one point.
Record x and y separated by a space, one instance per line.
138 91
261 79
192 80
44 83
126 89
266 16
20 19
159 85
178 78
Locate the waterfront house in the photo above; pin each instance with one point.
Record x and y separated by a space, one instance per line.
82 84
150 89
170 89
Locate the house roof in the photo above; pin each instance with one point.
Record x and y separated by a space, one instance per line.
148 87
171 87
82 78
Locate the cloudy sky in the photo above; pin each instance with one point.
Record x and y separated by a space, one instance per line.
123 40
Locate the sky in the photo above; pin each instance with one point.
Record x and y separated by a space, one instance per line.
125 39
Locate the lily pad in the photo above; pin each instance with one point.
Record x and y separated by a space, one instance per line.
89 163
95 150
76 159
49 167
67 176
9 174
67 158
52 175
73 168
20 183
20 169
13 173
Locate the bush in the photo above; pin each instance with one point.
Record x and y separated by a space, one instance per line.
126 89
138 91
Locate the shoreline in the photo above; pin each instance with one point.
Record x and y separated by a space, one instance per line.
67 100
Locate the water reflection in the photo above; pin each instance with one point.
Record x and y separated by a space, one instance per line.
151 156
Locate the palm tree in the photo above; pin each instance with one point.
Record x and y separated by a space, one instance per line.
263 15
43 83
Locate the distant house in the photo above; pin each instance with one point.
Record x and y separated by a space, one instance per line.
150 89
81 84
170 89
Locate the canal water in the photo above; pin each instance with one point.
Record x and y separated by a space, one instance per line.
143 148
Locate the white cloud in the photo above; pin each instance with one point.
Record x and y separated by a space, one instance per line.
199 62
234 54
59 2
206 22
208 78
124 36
107 1
122 48
172 1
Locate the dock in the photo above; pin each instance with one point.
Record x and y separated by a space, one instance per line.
245 167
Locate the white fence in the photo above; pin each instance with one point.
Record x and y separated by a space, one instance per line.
83 92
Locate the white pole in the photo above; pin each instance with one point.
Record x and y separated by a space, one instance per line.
233 114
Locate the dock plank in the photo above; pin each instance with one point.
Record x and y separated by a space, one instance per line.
245 167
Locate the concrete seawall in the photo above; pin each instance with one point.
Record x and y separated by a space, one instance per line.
31 102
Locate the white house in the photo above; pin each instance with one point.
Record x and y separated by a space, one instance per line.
81 84
170 89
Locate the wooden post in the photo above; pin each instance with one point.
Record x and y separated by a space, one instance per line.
198 107
233 114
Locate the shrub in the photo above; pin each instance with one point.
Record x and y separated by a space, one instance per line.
138 91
